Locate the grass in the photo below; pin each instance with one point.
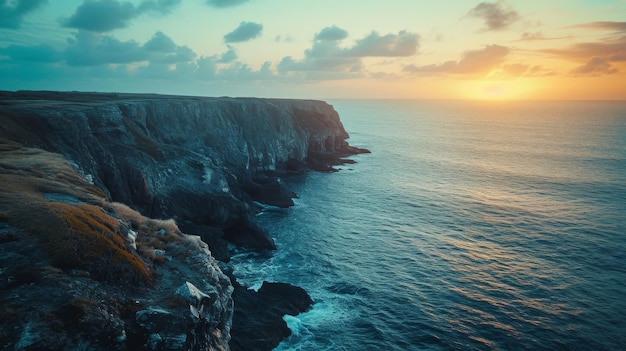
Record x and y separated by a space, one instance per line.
152 234
74 236
91 234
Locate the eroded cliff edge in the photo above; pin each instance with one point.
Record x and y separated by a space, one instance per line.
202 161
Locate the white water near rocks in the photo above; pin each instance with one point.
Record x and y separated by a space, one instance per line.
471 226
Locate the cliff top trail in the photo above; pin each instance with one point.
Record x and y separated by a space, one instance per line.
82 177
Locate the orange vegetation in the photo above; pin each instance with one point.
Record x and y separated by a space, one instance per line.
78 235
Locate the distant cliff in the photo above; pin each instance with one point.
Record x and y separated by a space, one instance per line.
70 222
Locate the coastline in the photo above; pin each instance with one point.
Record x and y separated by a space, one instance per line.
201 161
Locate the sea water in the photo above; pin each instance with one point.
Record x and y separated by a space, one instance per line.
471 226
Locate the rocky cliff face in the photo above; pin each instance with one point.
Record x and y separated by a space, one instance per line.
78 272
198 160
121 280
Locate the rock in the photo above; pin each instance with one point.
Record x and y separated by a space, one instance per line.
87 261
258 322
270 191
191 158
71 280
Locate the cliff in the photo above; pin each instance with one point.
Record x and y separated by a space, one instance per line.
198 160
84 173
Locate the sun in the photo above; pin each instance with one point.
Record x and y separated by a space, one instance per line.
496 90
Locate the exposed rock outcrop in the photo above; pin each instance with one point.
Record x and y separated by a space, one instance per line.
83 265
200 160
78 272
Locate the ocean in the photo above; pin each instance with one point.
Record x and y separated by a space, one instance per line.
471 226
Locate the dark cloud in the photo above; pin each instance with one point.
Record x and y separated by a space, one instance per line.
12 12
160 6
332 33
373 45
207 68
334 64
596 66
37 53
473 62
246 31
164 70
497 15
163 49
106 15
242 72
90 49
228 57
607 25
160 43
102 15
225 3
390 45
326 59
323 49
180 54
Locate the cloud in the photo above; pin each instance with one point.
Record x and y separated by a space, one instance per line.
90 49
497 15
246 31
613 49
472 62
106 15
532 36
225 3
326 59
538 36
596 66
160 6
286 39
515 69
102 15
338 64
160 43
162 49
228 57
482 61
179 55
12 12
390 45
37 53
607 25
524 70
332 33
93 49
373 45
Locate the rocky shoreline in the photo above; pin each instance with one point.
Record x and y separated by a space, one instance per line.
108 202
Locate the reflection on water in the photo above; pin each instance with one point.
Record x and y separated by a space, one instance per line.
470 227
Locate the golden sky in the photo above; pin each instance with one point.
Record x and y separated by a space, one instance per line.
558 49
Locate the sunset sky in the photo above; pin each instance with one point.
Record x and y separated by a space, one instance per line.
455 49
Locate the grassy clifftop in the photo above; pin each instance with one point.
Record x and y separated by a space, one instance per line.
43 197
77 269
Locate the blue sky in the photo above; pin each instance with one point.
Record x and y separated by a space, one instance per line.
499 49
